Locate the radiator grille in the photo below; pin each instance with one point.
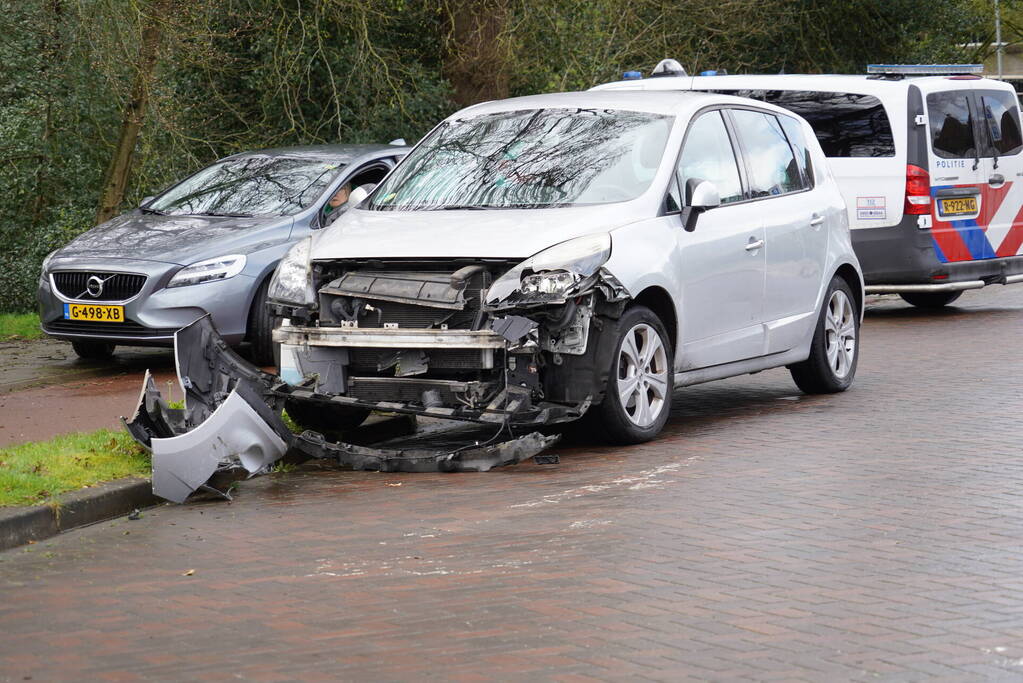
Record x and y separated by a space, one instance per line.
112 286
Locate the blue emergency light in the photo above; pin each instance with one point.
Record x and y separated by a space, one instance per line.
632 75
925 69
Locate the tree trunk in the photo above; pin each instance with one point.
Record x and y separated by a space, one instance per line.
50 52
477 54
116 177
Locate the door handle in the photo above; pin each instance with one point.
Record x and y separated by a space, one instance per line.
816 221
754 245
996 179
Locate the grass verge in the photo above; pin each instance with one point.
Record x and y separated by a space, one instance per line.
19 326
37 472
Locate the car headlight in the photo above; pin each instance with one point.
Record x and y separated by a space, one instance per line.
220 268
554 272
293 280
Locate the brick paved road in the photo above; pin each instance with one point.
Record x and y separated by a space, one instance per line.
872 535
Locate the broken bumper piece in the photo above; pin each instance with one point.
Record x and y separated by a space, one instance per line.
232 418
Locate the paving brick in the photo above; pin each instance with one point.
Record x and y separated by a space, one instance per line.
766 535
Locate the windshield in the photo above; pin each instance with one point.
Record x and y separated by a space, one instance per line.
530 159
249 186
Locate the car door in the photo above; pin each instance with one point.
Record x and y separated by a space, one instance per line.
777 168
963 199
722 279
1002 164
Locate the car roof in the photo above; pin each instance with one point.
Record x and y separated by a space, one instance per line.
858 84
338 153
666 102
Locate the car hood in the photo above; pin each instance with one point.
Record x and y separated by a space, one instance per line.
489 233
172 239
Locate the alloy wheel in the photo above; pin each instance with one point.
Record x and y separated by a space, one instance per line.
643 375
840 334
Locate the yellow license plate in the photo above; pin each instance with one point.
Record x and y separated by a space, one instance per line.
94 313
959 206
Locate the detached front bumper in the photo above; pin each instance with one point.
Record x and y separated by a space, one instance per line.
232 419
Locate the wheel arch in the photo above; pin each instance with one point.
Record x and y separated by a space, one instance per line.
263 277
848 272
658 300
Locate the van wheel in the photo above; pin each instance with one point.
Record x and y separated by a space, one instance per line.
92 350
324 418
639 386
930 299
261 327
835 348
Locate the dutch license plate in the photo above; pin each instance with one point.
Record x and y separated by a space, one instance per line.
960 206
94 313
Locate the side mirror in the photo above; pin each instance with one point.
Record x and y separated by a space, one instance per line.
359 194
701 195
398 142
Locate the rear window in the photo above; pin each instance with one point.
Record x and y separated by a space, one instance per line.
951 120
846 124
1001 116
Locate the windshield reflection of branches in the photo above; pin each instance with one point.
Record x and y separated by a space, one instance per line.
258 186
530 159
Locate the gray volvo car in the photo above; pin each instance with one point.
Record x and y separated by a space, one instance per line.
207 245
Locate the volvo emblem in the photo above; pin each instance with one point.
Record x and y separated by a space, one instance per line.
94 286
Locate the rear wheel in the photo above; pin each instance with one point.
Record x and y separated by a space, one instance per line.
930 299
835 348
324 418
639 387
93 350
261 327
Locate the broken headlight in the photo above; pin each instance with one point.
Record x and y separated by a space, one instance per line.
554 272
293 280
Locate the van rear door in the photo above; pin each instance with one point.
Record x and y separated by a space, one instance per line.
963 202
1002 161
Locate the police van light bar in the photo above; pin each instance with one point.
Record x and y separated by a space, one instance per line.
925 69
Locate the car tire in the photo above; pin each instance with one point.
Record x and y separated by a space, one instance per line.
835 348
260 330
93 350
324 418
637 399
930 299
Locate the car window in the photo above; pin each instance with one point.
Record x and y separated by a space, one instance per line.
846 124
708 155
773 168
1001 115
951 119
794 132
250 186
529 159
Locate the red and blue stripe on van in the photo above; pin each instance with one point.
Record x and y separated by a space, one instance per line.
972 239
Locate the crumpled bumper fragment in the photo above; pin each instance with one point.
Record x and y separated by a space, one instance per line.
232 418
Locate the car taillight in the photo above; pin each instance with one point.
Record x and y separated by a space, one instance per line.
918 191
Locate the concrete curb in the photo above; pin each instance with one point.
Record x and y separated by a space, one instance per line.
78 508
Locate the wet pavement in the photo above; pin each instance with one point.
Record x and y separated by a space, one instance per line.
767 535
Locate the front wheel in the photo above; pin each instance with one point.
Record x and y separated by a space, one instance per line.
835 349
930 299
639 387
261 327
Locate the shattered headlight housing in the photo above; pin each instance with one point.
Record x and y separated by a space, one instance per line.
555 272
292 282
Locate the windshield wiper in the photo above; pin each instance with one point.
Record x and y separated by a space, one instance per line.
157 212
225 215
462 207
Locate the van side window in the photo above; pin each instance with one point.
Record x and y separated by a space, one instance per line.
1001 116
794 132
773 167
846 124
708 155
951 120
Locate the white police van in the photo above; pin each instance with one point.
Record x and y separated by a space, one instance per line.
929 159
